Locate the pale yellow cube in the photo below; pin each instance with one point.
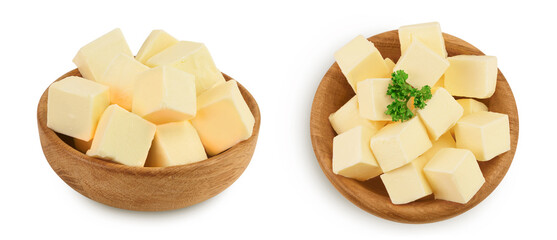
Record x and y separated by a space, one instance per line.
454 175
486 134
120 76
471 76
164 94
93 59
423 66
428 33
348 117
439 84
399 143
373 99
122 137
175 143
445 141
157 41
75 106
352 155
359 60
223 118
471 106
81 145
193 58
440 114
407 183
390 64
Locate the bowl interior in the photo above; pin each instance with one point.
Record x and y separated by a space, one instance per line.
371 195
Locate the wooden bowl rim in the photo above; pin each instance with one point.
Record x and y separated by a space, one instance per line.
117 167
352 194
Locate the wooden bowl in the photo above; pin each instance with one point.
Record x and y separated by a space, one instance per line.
371 195
145 188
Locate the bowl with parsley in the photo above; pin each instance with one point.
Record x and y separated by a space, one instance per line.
335 110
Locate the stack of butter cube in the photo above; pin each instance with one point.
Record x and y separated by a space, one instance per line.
435 152
168 105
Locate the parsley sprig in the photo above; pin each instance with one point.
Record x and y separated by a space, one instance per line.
401 92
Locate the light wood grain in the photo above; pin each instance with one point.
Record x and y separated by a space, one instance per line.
371 195
145 188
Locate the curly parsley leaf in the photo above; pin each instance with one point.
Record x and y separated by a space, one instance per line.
401 92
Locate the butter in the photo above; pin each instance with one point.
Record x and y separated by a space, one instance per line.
122 137
93 59
352 155
193 58
157 41
75 106
440 83
486 134
454 175
445 141
440 114
428 33
373 99
223 118
348 117
164 94
471 106
407 183
120 76
390 64
423 66
81 145
359 60
399 143
175 143
471 76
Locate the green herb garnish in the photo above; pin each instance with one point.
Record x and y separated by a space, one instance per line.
401 92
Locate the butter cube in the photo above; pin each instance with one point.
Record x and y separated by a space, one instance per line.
390 64
440 114
445 141
423 66
454 175
471 76
93 59
348 117
75 106
399 143
223 118
156 42
193 58
428 33
120 76
407 183
486 134
471 106
164 94
359 60
439 84
175 143
352 155
122 137
373 99
81 145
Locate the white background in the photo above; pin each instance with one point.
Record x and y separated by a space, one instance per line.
279 50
